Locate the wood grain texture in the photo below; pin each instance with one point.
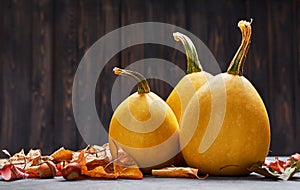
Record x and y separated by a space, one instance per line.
41 131
256 68
65 64
16 88
42 43
282 83
87 35
1 74
108 20
132 11
174 13
296 63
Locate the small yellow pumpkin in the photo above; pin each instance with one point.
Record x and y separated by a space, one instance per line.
145 127
190 83
225 128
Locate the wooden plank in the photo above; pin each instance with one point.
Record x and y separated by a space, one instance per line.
87 35
296 61
215 23
87 25
281 77
257 58
168 12
2 61
257 63
41 128
108 20
97 19
132 11
198 19
65 64
16 69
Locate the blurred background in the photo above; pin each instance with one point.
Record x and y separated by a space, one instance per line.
43 41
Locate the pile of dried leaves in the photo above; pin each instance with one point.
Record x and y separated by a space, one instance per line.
96 162
278 169
91 162
32 165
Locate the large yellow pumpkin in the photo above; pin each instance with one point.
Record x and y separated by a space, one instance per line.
145 127
225 128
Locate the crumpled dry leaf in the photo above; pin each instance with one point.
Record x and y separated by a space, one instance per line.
125 166
97 171
61 155
20 165
96 161
128 172
33 158
278 169
179 172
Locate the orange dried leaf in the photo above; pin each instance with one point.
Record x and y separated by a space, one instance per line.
180 172
62 155
125 166
99 162
18 159
97 172
33 158
128 172
80 159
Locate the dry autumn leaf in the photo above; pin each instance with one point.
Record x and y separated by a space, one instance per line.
128 172
180 172
278 169
94 161
98 172
32 165
126 167
33 158
62 155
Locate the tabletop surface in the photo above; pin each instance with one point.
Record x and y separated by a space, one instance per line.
252 181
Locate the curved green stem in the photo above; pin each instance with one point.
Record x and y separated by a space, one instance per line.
193 63
143 86
236 66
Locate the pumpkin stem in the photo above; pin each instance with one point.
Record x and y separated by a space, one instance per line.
193 63
143 86
236 66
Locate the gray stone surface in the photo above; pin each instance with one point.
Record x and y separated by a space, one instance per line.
251 182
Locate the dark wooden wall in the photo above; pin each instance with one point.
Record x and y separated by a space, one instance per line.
43 41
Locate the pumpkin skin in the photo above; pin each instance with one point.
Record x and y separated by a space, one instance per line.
184 91
145 127
225 128
243 138
190 83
